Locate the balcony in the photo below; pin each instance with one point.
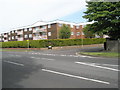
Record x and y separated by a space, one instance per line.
20 39
19 32
5 40
5 35
39 30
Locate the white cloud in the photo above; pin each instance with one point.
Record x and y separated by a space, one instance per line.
16 13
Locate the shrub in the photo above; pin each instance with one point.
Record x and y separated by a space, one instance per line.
52 42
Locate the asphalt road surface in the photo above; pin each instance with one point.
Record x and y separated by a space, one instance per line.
57 69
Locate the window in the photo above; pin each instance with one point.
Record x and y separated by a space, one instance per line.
30 29
12 37
44 27
44 33
49 33
21 36
77 27
16 31
60 25
25 29
49 26
30 35
83 26
83 33
12 31
16 37
78 33
9 38
37 28
26 36
71 25
72 33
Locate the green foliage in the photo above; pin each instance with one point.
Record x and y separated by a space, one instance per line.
106 17
54 43
88 33
64 32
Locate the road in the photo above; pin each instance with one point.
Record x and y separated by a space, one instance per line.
57 69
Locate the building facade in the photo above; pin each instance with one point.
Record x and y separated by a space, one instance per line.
43 30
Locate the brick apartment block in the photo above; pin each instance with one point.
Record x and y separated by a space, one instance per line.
43 30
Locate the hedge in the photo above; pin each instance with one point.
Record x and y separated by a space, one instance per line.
54 42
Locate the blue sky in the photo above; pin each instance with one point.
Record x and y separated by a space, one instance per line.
75 17
18 13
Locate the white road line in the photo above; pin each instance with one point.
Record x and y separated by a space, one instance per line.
105 64
79 77
93 65
14 63
48 59
43 58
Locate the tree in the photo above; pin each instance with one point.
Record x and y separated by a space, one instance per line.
106 17
88 33
64 32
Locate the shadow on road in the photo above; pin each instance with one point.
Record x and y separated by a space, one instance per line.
13 74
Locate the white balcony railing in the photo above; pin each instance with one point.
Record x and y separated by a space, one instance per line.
20 39
39 30
5 40
5 35
19 32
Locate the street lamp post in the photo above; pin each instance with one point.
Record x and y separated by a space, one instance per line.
82 39
28 44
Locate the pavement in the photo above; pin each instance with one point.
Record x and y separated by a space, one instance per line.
58 69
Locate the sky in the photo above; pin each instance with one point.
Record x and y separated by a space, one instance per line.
18 13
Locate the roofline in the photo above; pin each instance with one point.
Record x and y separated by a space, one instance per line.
51 22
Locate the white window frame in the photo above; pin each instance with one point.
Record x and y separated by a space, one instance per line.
83 26
37 28
25 29
72 33
44 33
71 25
49 25
9 38
15 31
13 37
16 37
25 36
12 31
78 33
49 33
60 25
30 36
30 29
77 27
44 27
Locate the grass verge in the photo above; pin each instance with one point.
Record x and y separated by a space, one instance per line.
104 54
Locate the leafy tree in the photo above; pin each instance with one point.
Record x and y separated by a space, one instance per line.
64 32
88 33
106 17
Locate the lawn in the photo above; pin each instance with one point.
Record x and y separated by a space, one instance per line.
104 54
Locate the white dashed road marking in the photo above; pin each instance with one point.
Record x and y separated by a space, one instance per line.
93 65
43 58
14 63
63 55
74 76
